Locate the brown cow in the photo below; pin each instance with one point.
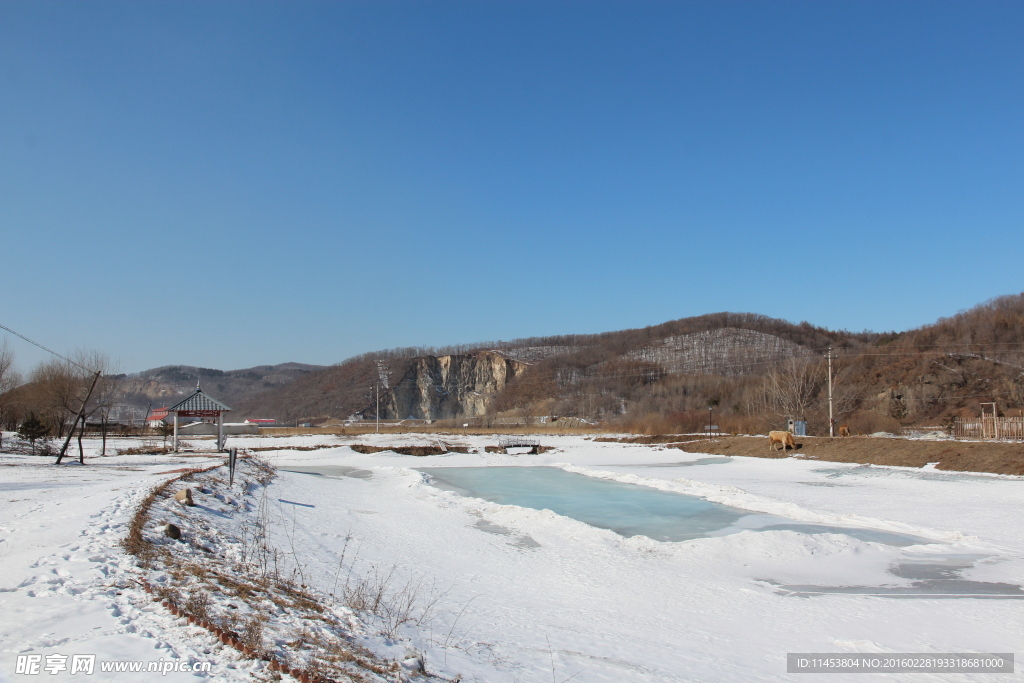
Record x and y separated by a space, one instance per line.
783 438
844 430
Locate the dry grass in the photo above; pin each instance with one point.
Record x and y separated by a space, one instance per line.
145 450
294 448
406 450
201 584
134 542
198 604
961 456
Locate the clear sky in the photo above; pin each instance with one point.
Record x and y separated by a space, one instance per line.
228 184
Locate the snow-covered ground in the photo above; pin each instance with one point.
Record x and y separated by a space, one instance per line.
529 595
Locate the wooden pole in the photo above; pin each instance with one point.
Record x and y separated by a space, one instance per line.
174 441
831 420
81 411
81 451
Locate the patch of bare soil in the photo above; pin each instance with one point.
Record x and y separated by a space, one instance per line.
316 447
407 450
959 456
534 450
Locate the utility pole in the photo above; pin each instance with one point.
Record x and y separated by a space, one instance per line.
831 421
79 417
377 412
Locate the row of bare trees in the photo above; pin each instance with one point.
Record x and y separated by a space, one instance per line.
60 394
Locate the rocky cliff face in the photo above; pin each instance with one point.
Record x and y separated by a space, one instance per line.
445 387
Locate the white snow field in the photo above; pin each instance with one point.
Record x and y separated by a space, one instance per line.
529 595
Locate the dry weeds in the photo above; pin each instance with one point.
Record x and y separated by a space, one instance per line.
200 586
960 456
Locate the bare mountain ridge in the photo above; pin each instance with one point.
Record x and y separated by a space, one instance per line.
538 373
170 383
671 373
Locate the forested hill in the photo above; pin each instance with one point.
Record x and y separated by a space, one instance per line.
751 369
588 376
167 384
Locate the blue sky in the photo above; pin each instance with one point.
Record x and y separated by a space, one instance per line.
228 184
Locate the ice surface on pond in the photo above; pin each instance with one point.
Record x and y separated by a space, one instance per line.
903 473
871 535
627 509
685 463
331 471
521 540
931 577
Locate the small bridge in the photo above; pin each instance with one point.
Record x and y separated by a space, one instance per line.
507 442
517 442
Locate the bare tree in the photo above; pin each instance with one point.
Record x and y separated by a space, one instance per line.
792 388
71 391
55 393
9 380
108 392
846 394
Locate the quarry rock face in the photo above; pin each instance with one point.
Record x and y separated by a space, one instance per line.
446 387
727 350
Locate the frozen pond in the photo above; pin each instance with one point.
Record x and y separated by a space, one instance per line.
631 510
931 577
627 509
331 471
685 463
904 473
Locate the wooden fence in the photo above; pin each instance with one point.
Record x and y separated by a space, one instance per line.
989 427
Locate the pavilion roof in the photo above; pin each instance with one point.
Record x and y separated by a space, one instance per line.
198 401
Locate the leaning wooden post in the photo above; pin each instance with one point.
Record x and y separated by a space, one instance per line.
81 411
81 451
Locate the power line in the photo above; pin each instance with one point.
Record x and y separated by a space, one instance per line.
51 351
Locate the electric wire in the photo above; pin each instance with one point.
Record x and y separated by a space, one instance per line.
51 351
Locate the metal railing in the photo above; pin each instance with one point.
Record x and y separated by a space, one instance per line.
516 442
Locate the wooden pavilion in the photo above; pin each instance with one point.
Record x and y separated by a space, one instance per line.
200 405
